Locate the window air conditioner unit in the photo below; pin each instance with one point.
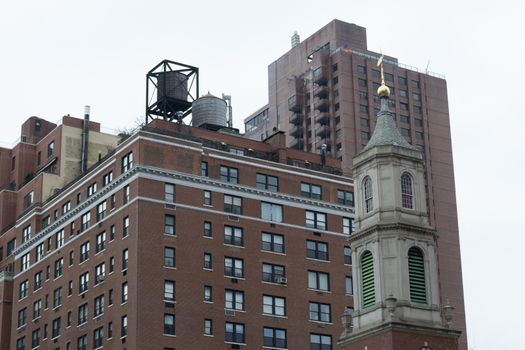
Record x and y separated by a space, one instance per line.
229 313
282 280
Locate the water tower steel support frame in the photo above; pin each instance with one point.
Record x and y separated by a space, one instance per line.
168 107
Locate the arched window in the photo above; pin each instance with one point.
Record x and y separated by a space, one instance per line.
368 291
407 196
367 189
416 276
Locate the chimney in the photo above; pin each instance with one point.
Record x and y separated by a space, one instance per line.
296 39
85 137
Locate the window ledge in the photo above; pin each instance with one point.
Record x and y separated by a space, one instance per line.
318 260
272 252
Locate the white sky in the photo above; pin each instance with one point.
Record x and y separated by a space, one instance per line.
57 56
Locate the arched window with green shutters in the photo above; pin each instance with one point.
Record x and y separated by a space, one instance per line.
416 276
367 277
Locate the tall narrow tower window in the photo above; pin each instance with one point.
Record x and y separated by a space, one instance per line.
367 276
367 189
407 196
416 276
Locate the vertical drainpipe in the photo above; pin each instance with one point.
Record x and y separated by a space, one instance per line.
85 136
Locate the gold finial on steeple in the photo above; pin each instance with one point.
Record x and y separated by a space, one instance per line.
383 90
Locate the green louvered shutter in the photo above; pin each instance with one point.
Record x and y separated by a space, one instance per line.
416 276
367 270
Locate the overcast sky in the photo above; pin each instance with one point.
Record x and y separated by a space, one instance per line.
57 56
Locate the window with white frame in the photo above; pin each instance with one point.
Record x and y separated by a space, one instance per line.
107 178
271 212
272 242
169 290
318 280
39 250
124 293
229 174
66 207
100 272
99 306
26 234
100 242
169 193
85 221
315 220
348 226
59 239
25 261
83 282
319 312
92 189
169 257
233 267
23 291
273 305
84 251
101 210
126 162
233 299
311 191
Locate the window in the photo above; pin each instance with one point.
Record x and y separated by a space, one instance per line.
418 109
84 251
25 261
124 326
82 313
274 337
401 80
22 317
310 191
112 231
365 135
21 343
26 234
70 288
208 296
169 257
35 338
315 220
110 330
272 242
416 276
233 267
363 95
125 256
169 324
11 245
232 204
349 285
418 122
362 82
106 179
59 239
101 242
361 69
126 162
345 197
85 221
169 225
403 106
275 306
267 182
207 261
347 252
367 189
320 312
406 191
320 342
124 293
208 327
204 168
125 194
169 290
271 212
229 174
100 272
207 229
169 193
318 280
207 197
348 226
98 337
82 342
367 278
403 93
59 264
317 250
83 282
233 299
46 221
37 309
92 189
38 280
101 211
234 332
363 108
56 328
99 306
273 273
29 199
415 84
125 226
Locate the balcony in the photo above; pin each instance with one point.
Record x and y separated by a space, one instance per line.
321 91
296 118
323 118
321 104
295 103
297 131
323 132
321 75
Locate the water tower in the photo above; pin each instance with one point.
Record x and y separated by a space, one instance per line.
171 88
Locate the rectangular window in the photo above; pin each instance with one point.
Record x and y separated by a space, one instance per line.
84 251
347 256
21 343
403 93
349 285
22 317
348 226
273 273
207 229
229 174
274 337
26 234
345 197
29 199
418 122
320 342
124 326
38 280
124 293
59 264
204 168
271 212
11 246
125 257
361 69
415 84
318 280
233 299
311 191
419 135
403 106
272 242
82 343
363 109
101 211
319 312
273 305
234 332
25 261
169 291
418 109
46 221
50 149
169 257
401 80
98 337
83 282
85 221
125 226
233 204
99 306
59 239
106 179
363 95
92 189
55 328
405 132
100 272
101 242
37 309
125 194
207 261
208 295
233 236
169 324
267 182
207 197
233 267
208 327
315 220
169 225
169 193
126 162
362 82
317 250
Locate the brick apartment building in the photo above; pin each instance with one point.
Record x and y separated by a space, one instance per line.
323 92
172 238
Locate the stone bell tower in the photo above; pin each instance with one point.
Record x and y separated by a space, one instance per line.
396 282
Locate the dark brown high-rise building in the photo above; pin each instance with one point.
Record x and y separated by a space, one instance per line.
172 238
322 94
